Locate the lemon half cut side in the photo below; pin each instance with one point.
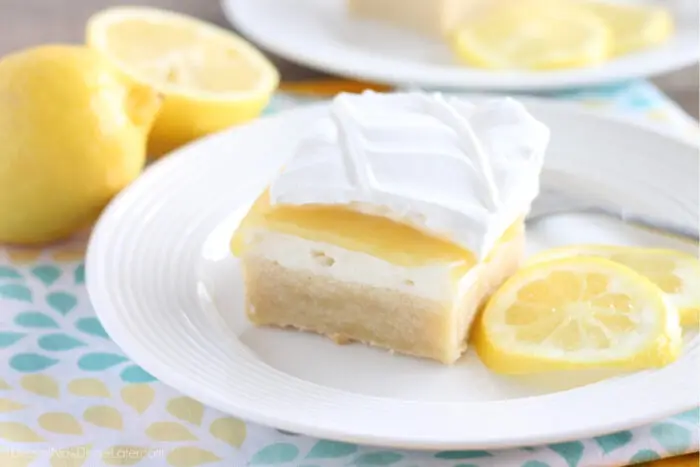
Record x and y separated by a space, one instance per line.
210 77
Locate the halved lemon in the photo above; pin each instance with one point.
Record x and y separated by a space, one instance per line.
577 313
210 78
633 27
677 274
532 34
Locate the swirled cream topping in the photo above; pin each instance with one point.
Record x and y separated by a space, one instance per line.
460 171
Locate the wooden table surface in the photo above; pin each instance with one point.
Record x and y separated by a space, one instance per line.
24 23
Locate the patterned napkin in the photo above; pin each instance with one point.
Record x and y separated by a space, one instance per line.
69 397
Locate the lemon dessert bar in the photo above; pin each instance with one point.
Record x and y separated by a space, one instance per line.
394 220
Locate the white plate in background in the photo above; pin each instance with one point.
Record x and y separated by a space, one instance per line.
319 34
166 289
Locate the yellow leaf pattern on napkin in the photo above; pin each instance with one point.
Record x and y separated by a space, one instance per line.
42 385
88 387
124 455
69 254
190 457
60 422
230 430
19 433
657 114
4 385
6 405
24 255
593 103
70 457
16 458
138 396
104 416
169 431
186 409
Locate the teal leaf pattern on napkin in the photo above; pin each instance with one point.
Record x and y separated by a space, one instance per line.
691 416
91 326
378 458
79 274
31 362
675 439
609 443
331 449
46 273
35 319
16 292
535 464
571 452
59 342
62 302
7 339
277 453
645 455
462 454
7 272
136 374
639 101
466 465
99 361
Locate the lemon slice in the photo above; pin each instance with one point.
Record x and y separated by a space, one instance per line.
676 274
577 313
209 77
633 27
534 35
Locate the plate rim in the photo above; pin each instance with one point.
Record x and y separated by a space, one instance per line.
190 388
461 80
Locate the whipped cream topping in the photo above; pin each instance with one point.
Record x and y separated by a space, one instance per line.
450 168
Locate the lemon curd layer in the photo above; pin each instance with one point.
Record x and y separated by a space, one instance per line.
377 236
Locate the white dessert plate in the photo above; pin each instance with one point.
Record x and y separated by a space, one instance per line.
319 34
169 293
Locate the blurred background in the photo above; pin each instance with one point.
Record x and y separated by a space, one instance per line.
66 151
30 22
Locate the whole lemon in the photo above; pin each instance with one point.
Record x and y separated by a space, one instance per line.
72 135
